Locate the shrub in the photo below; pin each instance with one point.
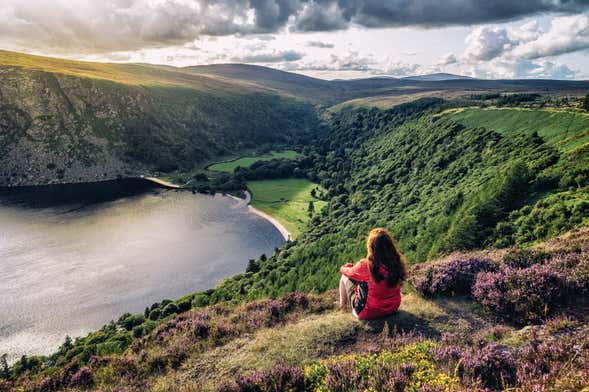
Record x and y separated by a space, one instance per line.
410 368
200 300
138 331
157 363
559 363
276 308
520 295
454 275
176 355
82 378
296 299
148 326
169 309
6 386
524 258
131 321
184 305
342 376
155 314
281 377
493 365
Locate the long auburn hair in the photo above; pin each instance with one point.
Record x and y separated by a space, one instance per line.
382 250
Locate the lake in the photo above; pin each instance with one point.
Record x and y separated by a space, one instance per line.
69 269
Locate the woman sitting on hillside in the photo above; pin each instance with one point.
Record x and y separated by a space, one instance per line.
372 287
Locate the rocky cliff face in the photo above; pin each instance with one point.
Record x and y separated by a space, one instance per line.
57 128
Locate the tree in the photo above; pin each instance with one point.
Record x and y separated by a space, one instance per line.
252 266
585 104
311 208
4 369
201 177
67 344
263 257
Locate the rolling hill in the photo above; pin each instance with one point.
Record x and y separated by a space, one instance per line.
74 121
437 77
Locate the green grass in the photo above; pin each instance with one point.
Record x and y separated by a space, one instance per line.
245 162
566 131
130 74
287 200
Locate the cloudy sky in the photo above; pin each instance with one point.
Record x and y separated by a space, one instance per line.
322 38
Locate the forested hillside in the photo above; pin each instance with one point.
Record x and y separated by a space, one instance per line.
439 185
64 121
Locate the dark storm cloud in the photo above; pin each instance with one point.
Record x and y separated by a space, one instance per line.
425 13
118 25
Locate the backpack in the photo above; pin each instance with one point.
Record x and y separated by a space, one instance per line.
360 297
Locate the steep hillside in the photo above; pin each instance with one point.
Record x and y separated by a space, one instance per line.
461 327
437 184
64 121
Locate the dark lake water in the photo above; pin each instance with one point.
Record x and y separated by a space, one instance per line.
69 269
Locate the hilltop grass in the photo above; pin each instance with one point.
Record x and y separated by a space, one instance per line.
566 131
287 200
229 166
129 74
388 101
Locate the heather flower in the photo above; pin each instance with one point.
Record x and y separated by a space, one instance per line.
520 294
276 309
6 386
493 365
296 299
82 378
341 376
281 377
157 363
524 258
454 275
176 355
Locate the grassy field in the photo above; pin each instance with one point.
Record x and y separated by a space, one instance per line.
230 166
287 200
564 130
388 101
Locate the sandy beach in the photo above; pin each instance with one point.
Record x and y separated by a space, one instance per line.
246 202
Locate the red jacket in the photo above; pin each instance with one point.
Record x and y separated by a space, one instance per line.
382 300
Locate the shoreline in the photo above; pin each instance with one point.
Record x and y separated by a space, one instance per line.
279 226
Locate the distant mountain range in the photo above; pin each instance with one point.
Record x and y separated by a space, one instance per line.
437 77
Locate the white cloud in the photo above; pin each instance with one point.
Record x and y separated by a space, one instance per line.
524 51
448 59
486 43
566 34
